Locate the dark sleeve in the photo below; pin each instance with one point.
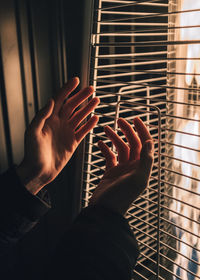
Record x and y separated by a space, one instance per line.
99 246
19 209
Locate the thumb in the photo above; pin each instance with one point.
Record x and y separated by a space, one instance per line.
146 159
40 118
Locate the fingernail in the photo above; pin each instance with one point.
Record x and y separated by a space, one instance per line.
75 78
150 146
91 88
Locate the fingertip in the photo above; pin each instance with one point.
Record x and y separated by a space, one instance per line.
122 123
139 123
100 143
96 118
76 79
51 101
67 88
72 81
136 120
93 121
108 130
91 106
120 120
91 88
96 99
51 106
103 147
107 127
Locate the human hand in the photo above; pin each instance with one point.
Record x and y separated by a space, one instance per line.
53 136
124 181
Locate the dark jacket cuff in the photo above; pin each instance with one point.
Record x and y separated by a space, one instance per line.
15 197
116 227
98 245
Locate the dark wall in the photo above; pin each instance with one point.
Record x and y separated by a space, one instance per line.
43 43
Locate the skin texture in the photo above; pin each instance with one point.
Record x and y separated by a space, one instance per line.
126 178
54 134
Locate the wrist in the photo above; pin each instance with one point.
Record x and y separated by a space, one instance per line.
29 178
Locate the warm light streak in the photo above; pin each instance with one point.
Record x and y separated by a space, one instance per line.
193 50
190 216
188 212
191 142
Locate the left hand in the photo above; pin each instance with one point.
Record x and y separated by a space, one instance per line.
126 178
52 136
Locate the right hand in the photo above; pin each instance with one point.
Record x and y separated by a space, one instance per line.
54 134
124 181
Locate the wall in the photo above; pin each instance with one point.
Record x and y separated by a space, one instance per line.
39 39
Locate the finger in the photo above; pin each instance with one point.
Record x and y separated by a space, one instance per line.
73 102
64 92
146 161
40 118
110 157
132 138
121 146
136 181
142 130
86 128
81 114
